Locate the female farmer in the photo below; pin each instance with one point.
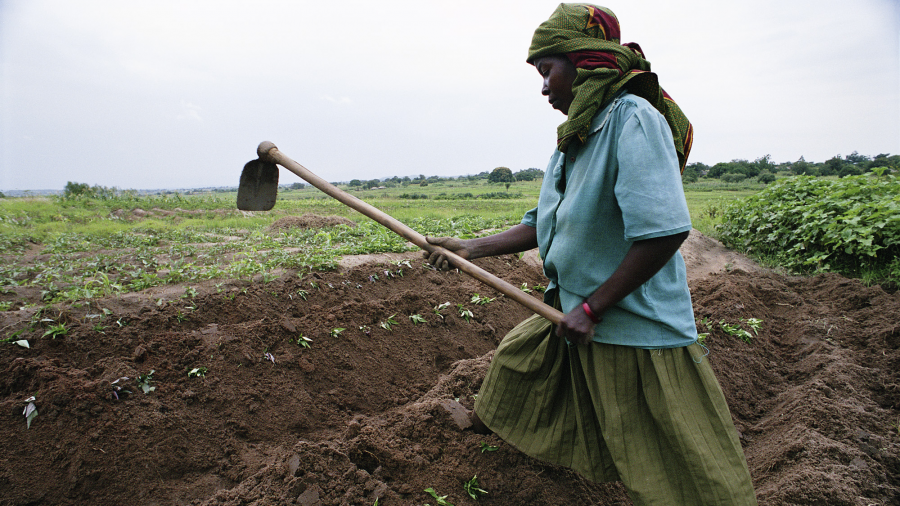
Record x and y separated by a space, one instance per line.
620 389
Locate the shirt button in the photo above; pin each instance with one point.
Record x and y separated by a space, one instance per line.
571 158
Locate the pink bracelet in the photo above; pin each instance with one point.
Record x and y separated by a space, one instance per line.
590 314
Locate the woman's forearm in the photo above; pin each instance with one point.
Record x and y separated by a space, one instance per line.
514 240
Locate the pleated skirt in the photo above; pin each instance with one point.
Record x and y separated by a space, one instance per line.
654 419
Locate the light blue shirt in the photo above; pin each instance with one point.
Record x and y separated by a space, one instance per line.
622 185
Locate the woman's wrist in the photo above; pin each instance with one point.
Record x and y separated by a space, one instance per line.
590 313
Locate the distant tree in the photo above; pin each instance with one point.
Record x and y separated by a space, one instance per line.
832 166
766 178
501 175
717 170
802 168
856 158
355 182
690 174
699 168
733 177
2 196
297 186
764 164
73 190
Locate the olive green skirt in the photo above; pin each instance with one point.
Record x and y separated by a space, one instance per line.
654 419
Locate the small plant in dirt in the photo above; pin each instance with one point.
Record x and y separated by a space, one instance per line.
336 332
198 372
119 389
30 411
525 288
303 341
481 301
389 323
464 313
56 330
144 381
189 293
441 499
441 307
365 329
303 294
473 489
268 356
738 331
417 319
485 447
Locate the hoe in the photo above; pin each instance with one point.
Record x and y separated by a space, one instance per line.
259 188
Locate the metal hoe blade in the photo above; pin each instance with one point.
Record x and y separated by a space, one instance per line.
259 186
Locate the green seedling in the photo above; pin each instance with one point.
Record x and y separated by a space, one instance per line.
488 448
365 330
189 293
755 324
417 318
390 322
56 330
5 305
304 341
119 388
336 332
441 307
481 301
525 288
464 313
303 293
736 330
30 412
144 380
198 372
471 487
441 499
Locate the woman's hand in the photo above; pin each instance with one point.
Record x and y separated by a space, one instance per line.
576 326
439 260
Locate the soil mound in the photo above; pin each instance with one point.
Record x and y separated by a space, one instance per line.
309 221
323 390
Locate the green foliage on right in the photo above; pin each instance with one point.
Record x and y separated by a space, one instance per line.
850 225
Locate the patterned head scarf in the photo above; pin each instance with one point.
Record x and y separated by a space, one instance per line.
589 37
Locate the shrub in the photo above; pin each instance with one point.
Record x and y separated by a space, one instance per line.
846 225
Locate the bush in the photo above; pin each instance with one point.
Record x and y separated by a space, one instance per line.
846 225
766 178
733 177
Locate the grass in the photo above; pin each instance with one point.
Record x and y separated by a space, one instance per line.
92 248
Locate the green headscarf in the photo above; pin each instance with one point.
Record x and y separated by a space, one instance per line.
589 36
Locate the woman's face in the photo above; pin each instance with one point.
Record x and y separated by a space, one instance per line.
559 74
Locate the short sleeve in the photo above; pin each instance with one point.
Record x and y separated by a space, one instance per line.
530 218
648 184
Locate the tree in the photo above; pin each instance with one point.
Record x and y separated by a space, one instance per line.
832 166
802 168
766 178
73 190
690 174
355 182
297 186
501 175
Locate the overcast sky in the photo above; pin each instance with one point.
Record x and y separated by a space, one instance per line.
178 93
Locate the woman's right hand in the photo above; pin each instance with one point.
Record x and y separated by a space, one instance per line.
452 244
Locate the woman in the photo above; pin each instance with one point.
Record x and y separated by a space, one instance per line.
619 390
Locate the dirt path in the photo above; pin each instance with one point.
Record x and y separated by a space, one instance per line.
358 415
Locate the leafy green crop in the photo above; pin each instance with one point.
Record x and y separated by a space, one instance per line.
847 225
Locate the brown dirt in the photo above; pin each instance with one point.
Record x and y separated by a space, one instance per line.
358 416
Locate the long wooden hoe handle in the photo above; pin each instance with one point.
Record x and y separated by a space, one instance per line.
268 152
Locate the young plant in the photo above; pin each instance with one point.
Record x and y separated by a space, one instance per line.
56 330
525 288
365 330
119 388
303 341
390 322
198 372
30 412
336 332
441 499
441 307
471 487
417 319
144 380
736 330
464 313
303 293
481 301
488 448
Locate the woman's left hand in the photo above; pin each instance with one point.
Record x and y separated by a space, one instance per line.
576 327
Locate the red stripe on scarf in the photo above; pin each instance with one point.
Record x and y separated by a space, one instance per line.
609 24
591 60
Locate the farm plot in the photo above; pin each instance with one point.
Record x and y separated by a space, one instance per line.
329 388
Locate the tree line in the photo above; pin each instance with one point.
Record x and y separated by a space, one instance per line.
764 170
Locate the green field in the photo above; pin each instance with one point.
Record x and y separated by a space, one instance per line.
78 249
